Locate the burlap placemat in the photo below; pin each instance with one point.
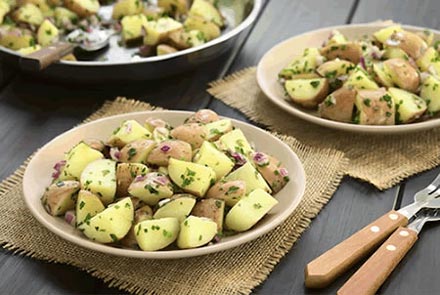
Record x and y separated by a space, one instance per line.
236 271
381 160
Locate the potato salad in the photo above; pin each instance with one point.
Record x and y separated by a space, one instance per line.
391 77
153 187
156 27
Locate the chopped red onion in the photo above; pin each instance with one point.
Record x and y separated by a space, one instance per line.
284 172
165 148
342 78
424 76
115 154
139 178
162 180
319 60
239 158
58 168
392 42
128 127
260 158
216 239
70 217
432 70
362 63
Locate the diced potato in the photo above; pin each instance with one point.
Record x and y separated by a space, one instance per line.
174 6
16 38
43 5
394 52
47 33
209 29
336 38
29 50
156 234
158 31
430 92
99 177
137 151
402 74
409 42
195 38
229 191
179 208
87 206
235 141
152 12
211 208
28 13
348 51
427 58
125 174
249 210
375 107
4 9
152 123
272 170
427 36
192 133
163 49
196 232
112 224
382 76
210 156
203 116
384 34
151 188
338 106
208 11
83 8
359 79
191 177
218 128
126 7
129 131
250 176
69 57
141 214
77 159
409 107
64 17
304 64
60 197
132 27
307 92
161 134
167 149
335 68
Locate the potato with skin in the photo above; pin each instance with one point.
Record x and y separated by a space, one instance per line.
95 144
211 208
125 174
203 116
60 197
174 6
338 106
164 151
158 31
16 38
141 214
126 7
99 177
426 59
360 79
77 160
192 133
130 130
307 92
216 129
402 74
229 191
179 207
151 188
427 36
137 151
384 34
161 134
235 141
210 156
409 42
250 176
132 28
409 107
375 107
394 52
337 38
83 8
208 11
153 123
209 29
196 232
348 51
381 75
335 68
29 14
163 49
87 206
302 66
183 39
272 170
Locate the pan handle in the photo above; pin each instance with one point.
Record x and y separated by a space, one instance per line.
326 268
46 56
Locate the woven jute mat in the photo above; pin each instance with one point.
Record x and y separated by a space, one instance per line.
382 160
235 271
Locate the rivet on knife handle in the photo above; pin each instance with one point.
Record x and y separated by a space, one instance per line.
326 268
44 57
373 273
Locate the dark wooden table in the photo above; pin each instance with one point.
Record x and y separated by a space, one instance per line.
32 112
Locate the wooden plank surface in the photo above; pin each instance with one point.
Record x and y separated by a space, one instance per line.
32 112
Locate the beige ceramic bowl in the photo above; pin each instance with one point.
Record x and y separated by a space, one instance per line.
38 175
283 53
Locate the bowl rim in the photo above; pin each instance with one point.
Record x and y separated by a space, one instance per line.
172 254
298 112
257 5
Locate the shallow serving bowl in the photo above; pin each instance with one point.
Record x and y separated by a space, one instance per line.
283 53
38 175
119 64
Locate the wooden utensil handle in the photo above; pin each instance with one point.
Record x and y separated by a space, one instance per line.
46 56
327 267
378 267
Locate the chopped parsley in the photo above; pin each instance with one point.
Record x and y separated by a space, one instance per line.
367 102
315 84
131 153
151 189
81 205
232 189
257 206
114 238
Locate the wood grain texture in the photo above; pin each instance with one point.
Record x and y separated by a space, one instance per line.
331 264
41 59
368 279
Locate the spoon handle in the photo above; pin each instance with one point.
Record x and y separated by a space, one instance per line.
326 268
373 273
46 56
